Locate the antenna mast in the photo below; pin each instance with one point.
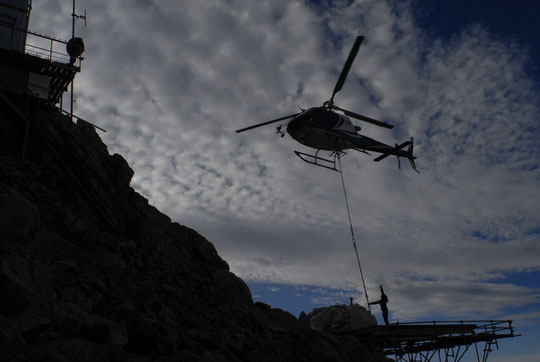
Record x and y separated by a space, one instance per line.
74 18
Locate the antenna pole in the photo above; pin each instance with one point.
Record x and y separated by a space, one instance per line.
73 21
73 16
28 10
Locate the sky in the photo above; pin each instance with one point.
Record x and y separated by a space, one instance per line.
171 81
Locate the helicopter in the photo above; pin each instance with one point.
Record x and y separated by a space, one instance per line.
323 129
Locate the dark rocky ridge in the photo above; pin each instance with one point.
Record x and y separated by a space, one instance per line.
89 271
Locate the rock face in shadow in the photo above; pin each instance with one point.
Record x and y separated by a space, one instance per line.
89 271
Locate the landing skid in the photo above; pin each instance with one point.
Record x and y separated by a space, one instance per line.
330 164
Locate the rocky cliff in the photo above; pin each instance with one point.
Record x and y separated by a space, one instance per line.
89 271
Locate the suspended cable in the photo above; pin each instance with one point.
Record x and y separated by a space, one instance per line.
352 232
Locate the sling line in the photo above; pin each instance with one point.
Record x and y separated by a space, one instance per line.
352 232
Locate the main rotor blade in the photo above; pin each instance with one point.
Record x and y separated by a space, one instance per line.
347 66
265 123
364 118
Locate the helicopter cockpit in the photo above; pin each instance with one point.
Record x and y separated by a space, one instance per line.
319 117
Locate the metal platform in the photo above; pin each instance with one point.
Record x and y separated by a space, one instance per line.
20 67
437 341
34 64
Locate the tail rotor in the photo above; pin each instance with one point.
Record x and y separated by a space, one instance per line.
410 155
397 151
398 160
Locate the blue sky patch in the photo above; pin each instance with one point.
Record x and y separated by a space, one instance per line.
298 298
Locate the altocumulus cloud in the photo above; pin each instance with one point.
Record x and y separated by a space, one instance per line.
171 81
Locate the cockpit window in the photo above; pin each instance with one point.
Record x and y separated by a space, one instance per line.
333 120
318 115
311 114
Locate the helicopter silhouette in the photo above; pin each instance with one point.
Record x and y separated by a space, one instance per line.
323 129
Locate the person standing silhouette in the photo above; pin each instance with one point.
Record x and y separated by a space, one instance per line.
383 303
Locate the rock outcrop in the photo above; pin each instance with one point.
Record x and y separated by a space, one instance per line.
89 271
340 319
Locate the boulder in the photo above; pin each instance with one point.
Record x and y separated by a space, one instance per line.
81 350
122 172
208 253
34 324
234 288
341 319
12 345
143 336
15 293
69 320
360 318
21 284
106 331
19 217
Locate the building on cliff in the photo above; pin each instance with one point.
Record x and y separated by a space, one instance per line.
31 63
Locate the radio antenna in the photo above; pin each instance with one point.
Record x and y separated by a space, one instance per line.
74 18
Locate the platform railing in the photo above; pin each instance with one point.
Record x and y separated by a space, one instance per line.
480 326
43 46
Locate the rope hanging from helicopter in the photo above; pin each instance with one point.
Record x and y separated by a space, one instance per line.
352 231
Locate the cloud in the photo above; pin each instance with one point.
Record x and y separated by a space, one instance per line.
171 82
464 300
522 358
523 319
